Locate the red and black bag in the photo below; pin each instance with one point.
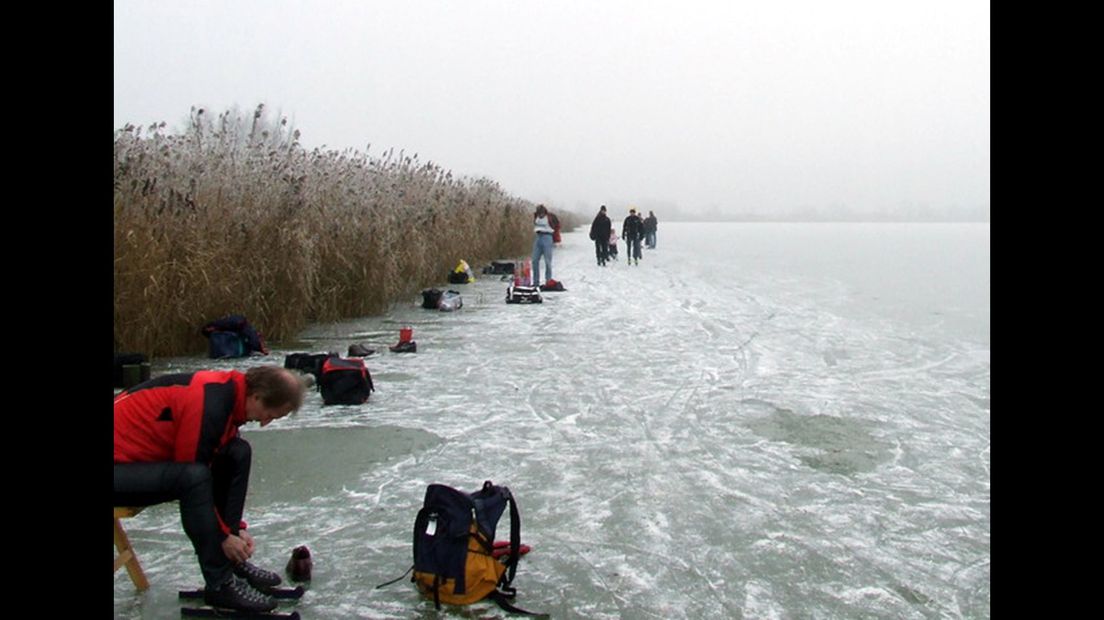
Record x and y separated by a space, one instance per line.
345 381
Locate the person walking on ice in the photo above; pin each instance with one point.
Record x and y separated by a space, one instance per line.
650 225
600 233
631 231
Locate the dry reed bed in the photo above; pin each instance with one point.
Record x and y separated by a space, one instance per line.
234 215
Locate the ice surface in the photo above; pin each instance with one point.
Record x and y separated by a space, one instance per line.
759 420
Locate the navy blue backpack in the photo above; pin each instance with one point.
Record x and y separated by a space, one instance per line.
232 336
454 534
454 547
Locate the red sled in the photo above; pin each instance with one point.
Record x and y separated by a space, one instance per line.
502 548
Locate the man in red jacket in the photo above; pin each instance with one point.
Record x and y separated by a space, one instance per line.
176 438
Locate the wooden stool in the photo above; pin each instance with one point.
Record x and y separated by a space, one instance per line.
126 555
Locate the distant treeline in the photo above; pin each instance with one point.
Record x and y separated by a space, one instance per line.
234 216
921 218
910 213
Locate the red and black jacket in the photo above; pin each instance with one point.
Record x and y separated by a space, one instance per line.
180 418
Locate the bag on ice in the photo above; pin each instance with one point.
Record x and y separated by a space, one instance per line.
345 381
523 295
456 558
450 300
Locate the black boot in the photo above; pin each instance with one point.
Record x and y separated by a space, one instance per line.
236 593
256 576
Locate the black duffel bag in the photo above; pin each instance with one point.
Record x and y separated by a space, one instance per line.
345 381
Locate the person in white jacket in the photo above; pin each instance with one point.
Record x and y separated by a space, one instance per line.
542 245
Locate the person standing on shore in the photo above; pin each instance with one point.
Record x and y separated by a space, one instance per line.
542 244
176 439
631 231
650 225
600 233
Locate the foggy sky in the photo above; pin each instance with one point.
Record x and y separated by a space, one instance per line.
728 106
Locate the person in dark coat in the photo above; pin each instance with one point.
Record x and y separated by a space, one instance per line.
650 225
631 231
600 232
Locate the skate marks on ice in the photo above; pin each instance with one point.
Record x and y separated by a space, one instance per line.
680 447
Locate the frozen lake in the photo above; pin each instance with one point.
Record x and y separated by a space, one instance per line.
758 421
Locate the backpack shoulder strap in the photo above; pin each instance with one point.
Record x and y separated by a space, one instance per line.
515 538
502 599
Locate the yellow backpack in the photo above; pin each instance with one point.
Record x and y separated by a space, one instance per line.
454 535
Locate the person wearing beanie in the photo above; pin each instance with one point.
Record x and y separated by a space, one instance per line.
599 233
632 230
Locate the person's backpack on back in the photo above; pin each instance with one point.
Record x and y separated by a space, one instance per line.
454 546
345 381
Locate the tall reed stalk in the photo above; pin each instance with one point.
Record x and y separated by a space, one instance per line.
234 216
